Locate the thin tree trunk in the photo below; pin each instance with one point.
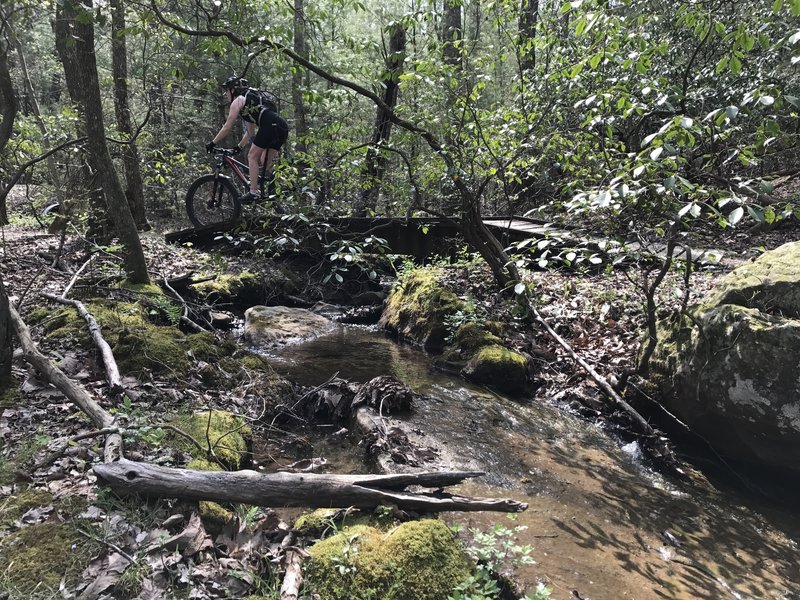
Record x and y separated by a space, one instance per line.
82 32
6 339
130 154
8 110
52 167
528 18
298 81
375 160
452 33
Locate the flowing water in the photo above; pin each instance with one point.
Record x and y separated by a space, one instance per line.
602 525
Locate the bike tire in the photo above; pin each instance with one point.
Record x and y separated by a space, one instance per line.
212 200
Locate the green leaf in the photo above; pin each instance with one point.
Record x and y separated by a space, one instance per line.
777 6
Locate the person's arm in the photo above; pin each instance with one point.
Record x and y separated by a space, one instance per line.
233 114
249 133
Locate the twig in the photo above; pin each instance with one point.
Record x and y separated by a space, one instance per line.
112 370
641 423
74 279
56 454
111 545
185 316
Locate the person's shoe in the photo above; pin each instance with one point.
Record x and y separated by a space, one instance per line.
249 197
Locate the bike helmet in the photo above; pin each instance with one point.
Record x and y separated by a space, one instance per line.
235 83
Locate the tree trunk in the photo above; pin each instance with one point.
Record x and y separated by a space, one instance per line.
8 111
52 167
130 154
298 83
297 489
375 160
452 33
99 226
6 339
528 18
82 32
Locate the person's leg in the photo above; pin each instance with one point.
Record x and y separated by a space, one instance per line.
254 159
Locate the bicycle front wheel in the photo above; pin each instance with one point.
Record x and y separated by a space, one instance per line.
211 200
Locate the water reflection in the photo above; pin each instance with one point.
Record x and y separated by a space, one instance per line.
601 524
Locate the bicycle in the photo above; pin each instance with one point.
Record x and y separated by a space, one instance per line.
214 198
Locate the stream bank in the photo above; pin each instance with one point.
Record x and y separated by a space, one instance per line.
602 524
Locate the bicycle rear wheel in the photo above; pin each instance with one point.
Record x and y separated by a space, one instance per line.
211 200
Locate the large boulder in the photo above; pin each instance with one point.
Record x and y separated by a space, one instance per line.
280 325
730 368
417 307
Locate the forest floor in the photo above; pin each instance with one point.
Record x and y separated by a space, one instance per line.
599 314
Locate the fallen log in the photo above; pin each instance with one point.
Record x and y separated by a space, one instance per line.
298 489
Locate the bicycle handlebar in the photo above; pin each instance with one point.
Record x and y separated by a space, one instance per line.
225 151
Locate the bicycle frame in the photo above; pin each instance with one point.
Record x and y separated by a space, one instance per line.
239 169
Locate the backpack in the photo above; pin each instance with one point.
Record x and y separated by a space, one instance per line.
256 102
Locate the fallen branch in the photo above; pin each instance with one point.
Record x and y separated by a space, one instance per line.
298 489
101 418
641 424
112 371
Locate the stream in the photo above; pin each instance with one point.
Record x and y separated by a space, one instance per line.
602 525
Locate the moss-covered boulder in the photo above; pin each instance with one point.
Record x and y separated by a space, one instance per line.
275 326
138 344
730 369
499 368
243 288
418 559
222 436
417 307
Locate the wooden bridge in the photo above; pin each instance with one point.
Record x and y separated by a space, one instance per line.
421 237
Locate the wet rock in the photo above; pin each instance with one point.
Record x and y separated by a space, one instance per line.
729 370
280 325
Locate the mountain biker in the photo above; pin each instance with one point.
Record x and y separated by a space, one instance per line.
265 144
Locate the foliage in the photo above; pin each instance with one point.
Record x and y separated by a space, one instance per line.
496 554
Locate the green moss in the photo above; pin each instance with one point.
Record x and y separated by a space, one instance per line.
241 287
315 522
207 347
228 435
214 516
500 368
10 394
38 557
145 289
417 306
16 505
418 559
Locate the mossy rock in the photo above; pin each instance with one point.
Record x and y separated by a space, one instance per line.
417 307
315 522
243 288
16 505
214 515
38 557
771 283
138 344
467 340
418 559
229 436
500 368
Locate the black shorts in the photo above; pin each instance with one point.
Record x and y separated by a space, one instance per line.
272 131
